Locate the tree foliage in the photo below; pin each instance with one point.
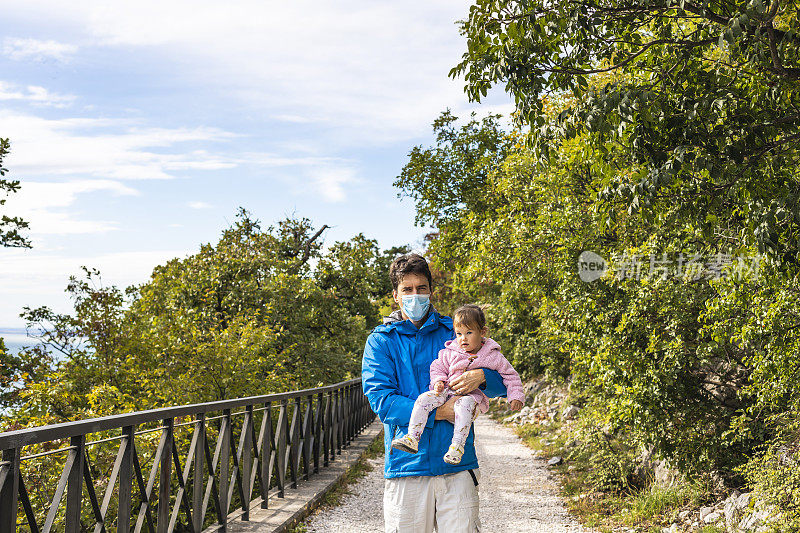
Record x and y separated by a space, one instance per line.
10 227
652 129
260 311
696 366
702 98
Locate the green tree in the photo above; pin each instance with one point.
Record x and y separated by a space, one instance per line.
10 236
679 363
689 121
10 227
702 99
262 310
357 273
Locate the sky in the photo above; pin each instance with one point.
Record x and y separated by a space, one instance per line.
138 129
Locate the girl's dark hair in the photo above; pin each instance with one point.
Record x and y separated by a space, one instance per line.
409 264
470 315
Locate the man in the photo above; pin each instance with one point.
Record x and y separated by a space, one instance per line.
421 491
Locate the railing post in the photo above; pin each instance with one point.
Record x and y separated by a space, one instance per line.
342 419
266 455
198 476
349 414
334 423
356 414
247 461
294 441
280 447
362 414
356 411
9 488
72 517
308 420
224 468
326 429
318 420
162 525
353 413
340 422
125 481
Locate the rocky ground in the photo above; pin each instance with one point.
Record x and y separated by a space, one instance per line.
547 404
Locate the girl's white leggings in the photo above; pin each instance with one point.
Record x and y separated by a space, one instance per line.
466 407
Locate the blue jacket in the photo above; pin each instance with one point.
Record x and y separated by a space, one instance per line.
395 370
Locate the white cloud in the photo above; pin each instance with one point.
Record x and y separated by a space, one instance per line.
296 119
83 150
200 205
44 205
105 148
363 72
34 94
20 49
327 176
331 182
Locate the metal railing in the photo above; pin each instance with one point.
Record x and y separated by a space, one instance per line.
298 432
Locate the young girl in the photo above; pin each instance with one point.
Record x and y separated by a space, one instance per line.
469 350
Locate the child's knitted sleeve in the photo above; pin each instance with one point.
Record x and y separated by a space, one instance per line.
511 379
439 368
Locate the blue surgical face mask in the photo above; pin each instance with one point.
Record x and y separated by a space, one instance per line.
415 306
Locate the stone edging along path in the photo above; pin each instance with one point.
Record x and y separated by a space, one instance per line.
517 493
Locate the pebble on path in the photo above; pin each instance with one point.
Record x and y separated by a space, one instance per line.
517 494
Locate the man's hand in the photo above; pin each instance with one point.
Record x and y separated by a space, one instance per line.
438 387
515 405
468 381
446 412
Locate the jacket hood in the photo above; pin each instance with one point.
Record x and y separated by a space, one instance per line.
489 345
395 316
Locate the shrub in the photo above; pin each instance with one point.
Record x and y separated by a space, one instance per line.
774 474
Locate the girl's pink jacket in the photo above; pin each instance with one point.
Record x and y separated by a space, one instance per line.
453 361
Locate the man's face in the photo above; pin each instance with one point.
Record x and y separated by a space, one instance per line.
410 284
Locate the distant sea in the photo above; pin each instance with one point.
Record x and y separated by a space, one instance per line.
15 339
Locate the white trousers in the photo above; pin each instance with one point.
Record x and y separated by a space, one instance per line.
422 504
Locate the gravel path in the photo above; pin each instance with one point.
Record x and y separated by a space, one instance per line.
516 492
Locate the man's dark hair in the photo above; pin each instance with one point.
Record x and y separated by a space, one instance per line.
409 264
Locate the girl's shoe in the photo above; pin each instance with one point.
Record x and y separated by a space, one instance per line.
453 455
406 443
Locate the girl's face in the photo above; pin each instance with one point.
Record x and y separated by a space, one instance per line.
469 338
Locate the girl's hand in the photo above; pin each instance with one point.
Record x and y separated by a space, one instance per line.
516 405
438 387
468 381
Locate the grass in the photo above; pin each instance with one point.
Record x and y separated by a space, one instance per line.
657 501
360 469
